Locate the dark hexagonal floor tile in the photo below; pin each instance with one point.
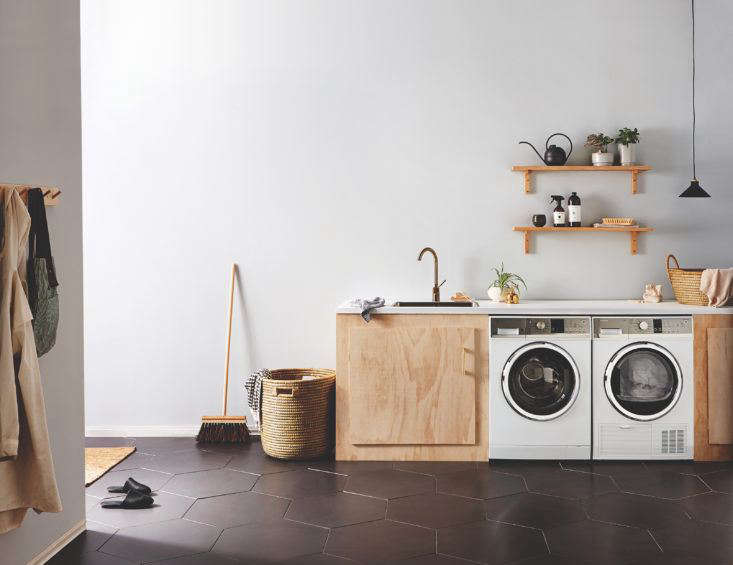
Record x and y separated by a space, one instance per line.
721 481
89 558
672 486
713 541
156 445
522 468
202 484
387 483
534 510
634 510
710 507
162 540
166 507
237 509
154 479
608 468
296 484
350 467
337 509
187 461
207 558
491 542
319 559
380 542
688 467
435 510
434 559
597 542
270 542
254 460
685 558
135 461
91 539
480 484
435 467
570 484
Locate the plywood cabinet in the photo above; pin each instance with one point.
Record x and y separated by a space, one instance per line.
412 387
713 387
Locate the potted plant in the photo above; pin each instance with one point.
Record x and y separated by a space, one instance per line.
599 142
504 284
627 140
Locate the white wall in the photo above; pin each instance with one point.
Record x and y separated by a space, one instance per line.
40 142
321 144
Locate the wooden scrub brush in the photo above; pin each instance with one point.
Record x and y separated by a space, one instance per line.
225 428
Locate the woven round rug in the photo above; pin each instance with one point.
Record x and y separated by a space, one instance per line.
99 460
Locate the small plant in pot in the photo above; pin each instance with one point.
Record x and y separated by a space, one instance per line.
627 139
504 284
599 143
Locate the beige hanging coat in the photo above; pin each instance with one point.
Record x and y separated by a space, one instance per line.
27 478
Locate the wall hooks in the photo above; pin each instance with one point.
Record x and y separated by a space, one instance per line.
51 194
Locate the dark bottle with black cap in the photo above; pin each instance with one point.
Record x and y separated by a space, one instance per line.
558 214
574 210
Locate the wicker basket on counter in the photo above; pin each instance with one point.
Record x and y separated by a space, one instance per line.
297 416
686 284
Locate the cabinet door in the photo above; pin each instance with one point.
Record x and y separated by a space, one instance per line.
412 385
720 385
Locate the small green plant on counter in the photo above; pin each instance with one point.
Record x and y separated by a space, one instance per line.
599 141
507 281
627 135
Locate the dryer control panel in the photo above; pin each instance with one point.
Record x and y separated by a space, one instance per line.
667 325
537 326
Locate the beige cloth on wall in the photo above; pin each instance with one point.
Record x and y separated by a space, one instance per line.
27 478
717 284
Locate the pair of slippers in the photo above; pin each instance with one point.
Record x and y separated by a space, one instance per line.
137 496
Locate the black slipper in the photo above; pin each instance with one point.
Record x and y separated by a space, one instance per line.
133 501
131 485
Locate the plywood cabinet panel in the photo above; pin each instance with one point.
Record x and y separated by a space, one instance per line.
720 385
412 385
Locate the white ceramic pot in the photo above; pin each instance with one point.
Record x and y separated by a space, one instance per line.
628 153
494 293
602 159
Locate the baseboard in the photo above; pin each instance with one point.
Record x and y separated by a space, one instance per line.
59 544
147 431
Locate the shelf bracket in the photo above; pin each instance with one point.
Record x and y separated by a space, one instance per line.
526 242
527 182
634 181
634 242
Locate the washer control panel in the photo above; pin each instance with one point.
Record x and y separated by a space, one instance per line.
666 325
539 326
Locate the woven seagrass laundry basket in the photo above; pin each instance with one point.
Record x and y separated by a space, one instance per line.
686 284
297 416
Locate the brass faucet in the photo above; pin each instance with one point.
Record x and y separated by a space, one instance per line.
436 286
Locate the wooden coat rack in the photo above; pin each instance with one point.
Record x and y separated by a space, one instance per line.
51 194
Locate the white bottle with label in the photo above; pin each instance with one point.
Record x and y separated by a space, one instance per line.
574 210
558 214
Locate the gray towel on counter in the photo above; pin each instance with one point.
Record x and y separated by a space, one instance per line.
367 305
253 386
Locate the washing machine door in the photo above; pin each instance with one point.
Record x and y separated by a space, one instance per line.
540 381
643 381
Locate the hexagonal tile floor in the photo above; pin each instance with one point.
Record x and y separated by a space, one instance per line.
219 505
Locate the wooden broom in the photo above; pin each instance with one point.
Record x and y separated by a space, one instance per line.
224 428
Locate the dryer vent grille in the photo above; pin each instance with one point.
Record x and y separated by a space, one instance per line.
673 441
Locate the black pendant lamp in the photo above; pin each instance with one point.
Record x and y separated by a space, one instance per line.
694 190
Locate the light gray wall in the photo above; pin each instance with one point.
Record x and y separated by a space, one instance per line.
40 142
321 144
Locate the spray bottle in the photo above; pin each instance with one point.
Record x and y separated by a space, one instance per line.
558 214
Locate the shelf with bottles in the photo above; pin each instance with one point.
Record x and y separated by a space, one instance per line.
634 170
633 232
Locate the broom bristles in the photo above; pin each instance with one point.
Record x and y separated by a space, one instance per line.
223 430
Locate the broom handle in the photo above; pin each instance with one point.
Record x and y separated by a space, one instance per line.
229 337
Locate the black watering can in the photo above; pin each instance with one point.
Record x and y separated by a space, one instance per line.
554 155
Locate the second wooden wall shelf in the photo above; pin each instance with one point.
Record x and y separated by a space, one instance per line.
633 169
633 233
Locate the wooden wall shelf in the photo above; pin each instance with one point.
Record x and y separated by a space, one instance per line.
529 169
633 233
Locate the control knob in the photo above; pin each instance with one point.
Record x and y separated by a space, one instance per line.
643 325
541 325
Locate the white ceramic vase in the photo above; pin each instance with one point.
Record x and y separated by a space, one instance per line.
494 293
601 159
628 153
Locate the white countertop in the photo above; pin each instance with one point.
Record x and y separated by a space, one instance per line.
558 307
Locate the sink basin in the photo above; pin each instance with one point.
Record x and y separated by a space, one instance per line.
433 304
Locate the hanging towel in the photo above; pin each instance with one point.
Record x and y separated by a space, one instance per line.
253 386
717 284
27 478
366 305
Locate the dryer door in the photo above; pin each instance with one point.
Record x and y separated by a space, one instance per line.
643 381
540 381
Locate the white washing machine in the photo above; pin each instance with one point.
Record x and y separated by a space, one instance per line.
540 388
643 390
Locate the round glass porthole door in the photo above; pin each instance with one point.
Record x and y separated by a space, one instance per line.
643 381
540 381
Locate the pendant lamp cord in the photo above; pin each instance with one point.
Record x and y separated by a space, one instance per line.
694 173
